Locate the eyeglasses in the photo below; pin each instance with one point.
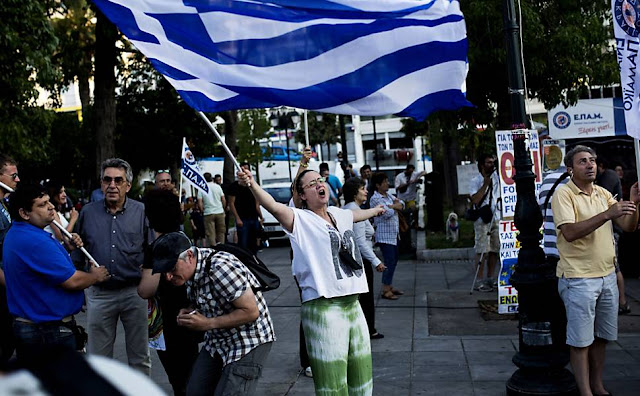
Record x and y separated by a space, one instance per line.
313 183
119 180
13 176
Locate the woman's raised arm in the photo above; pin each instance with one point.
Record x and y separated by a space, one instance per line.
282 213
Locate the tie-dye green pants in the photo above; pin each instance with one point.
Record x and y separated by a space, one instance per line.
338 345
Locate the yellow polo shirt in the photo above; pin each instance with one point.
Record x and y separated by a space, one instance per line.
591 256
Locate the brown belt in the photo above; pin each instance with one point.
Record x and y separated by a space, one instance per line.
64 320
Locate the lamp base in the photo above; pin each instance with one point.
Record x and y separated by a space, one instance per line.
542 382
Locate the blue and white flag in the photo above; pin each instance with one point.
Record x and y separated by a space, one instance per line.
366 57
191 170
626 19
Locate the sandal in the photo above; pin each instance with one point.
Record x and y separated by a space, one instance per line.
388 295
397 292
624 309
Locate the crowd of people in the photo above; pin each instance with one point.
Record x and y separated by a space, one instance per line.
154 267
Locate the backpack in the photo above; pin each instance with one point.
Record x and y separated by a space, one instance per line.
267 279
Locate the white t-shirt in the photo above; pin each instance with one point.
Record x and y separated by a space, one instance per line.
410 194
474 186
316 265
212 202
63 222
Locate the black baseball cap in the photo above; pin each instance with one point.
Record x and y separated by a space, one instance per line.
166 249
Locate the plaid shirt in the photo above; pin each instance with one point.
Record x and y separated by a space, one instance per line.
213 293
387 224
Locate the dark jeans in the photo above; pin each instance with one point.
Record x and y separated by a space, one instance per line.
31 337
248 234
209 377
367 300
177 361
390 258
304 356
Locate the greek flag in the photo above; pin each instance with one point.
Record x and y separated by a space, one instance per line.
191 170
366 57
626 20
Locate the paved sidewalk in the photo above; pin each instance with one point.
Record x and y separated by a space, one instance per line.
458 353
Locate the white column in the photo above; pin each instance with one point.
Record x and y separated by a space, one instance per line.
387 144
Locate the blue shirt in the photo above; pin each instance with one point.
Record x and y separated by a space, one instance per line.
35 266
117 241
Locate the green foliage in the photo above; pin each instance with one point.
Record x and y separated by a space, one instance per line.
566 46
26 44
76 43
320 132
253 125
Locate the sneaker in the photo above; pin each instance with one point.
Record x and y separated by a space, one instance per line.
476 286
308 372
485 287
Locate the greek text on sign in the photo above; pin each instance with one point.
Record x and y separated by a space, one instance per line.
506 157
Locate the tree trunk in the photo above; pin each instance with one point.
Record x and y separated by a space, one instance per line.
85 92
230 120
105 84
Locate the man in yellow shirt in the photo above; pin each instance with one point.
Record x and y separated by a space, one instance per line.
587 282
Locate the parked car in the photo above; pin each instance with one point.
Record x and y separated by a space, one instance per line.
281 193
279 153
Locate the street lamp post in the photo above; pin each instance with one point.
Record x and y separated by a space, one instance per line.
542 354
281 119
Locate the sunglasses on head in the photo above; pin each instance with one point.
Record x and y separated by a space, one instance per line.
163 171
118 180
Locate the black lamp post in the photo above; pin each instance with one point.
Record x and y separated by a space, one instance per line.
542 354
281 119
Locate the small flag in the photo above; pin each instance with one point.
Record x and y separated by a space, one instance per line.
626 20
366 57
191 170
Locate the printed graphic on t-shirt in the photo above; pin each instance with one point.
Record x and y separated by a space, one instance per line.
349 241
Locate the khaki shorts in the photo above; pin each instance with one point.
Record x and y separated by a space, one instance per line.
592 309
487 240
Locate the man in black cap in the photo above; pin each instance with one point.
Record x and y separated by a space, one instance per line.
239 330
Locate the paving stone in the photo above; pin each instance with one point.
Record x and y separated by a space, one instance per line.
422 388
489 357
491 372
441 373
453 358
487 345
437 345
489 388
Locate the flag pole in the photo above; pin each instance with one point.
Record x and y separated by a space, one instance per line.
82 249
224 145
306 130
637 149
184 141
62 229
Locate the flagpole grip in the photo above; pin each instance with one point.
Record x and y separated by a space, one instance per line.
68 235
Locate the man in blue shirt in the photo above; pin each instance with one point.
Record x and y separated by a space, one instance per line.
44 289
334 184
